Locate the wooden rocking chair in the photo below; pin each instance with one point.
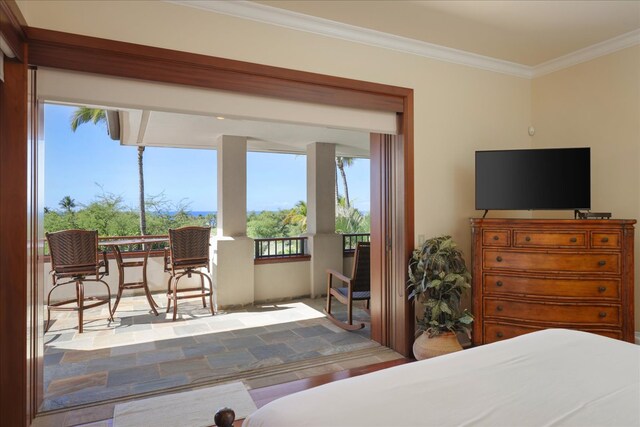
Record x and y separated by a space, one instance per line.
358 287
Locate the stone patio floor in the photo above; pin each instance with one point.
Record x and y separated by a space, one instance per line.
141 354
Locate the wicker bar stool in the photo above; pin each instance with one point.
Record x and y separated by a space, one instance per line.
74 259
188 252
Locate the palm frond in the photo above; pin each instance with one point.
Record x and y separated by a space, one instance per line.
83 115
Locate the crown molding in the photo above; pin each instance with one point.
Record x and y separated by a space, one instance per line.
588 53
311 24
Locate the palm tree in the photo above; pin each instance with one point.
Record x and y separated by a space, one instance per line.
84 115
348 219
298 216
341 163
67 203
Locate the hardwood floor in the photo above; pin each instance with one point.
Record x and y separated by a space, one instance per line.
264 395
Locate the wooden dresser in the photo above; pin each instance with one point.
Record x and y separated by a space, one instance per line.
536 274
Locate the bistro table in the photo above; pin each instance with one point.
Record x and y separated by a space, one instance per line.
146 243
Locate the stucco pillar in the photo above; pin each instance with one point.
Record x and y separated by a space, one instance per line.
325 246
232 272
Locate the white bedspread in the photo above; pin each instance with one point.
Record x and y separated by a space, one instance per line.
547 378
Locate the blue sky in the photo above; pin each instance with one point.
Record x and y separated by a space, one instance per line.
79 164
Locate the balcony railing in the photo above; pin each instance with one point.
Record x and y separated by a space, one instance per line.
280 248
350 241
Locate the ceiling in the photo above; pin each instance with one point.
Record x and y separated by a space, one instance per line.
169 129
525 32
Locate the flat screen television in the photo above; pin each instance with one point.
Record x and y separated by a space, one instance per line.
558 178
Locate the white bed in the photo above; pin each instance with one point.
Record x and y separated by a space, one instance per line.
548 378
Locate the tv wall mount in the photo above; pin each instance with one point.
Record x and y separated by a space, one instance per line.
591 215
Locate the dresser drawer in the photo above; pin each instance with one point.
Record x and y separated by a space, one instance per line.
547 239
609 239
496 237
498 284
498 331
587 262
552 312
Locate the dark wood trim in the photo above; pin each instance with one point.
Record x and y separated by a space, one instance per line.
628 267
94 55
392 225
278 260
11 23
262 396
391 315
15 365
403 235
35 243
378 304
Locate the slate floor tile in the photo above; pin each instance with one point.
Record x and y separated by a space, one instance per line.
112 363
249 331
191 329
134 375
312 331
158 356
203 349
241 342
71 384
184 366
279 336
124 329
176 342
231 358
308 344
142 353
214 337
53 358
134 348
160 383
271 350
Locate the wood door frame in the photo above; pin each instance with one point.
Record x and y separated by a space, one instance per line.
100 56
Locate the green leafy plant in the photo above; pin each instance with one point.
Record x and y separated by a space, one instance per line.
438 277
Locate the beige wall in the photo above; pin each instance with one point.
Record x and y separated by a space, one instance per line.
457 109
281 281
597 104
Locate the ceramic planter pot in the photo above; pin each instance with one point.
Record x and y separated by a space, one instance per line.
445 343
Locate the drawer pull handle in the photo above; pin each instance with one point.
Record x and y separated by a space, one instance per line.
499 335
498 283
499 308
602 314
499 259
601 263
601 288
573 240
604 239
528 239
496 238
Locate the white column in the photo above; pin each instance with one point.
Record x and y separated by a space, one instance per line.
232 186
233 272
325 246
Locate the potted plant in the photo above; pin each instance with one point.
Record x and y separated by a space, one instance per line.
438 277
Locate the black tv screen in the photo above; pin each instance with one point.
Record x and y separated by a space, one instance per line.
558 178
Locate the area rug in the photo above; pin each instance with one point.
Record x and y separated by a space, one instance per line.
187 409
